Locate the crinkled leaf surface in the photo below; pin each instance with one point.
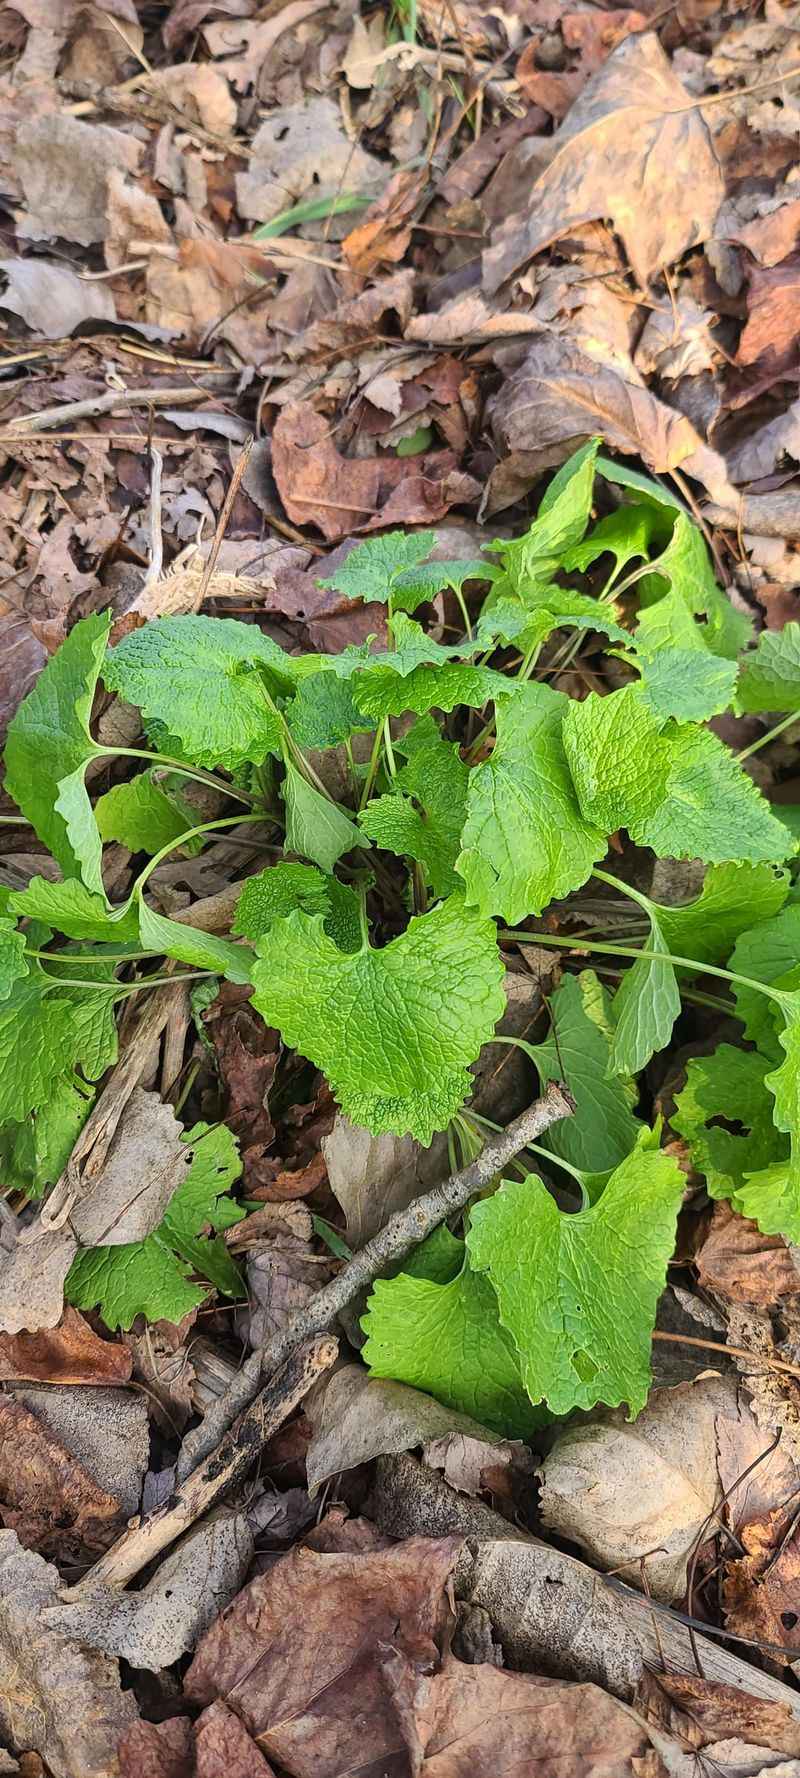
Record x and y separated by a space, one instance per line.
525 841
559 524
316 827
382 691
323 714
141 815
415 585
688 684
644 1008
282 888
624 534
603 1128
372 568
529 618
204 682
685 567
422 816
35 1152
579 1293
394 1030
46 1029
728 1087
49 747
12 956
74 910
435 1326
765 953
770 678
708 927
678 790
152 1277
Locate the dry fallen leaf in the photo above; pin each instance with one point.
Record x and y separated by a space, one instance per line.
300 1650
475 1721
52 299
153 1627
773 446
146 1163
284 1274
372 1176
320 487
560 397
635 1496
295 148
62 166
69 1353
55 1695
698 1712
635 148
216 1743
46 1495
32 1279
739 1264
356 1417
107 1430
769 337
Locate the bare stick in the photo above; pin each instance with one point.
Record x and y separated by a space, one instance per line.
222 522
99 404
400 1234
156 536
222 1470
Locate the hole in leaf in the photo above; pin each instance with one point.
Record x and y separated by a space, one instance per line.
733 1125
789 1619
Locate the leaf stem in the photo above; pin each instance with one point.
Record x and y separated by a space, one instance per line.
192 832
605 876
725 975
389 750
178 765
771 735
372 768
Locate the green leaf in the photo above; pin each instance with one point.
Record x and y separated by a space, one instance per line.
49 747
142 816
282 888
685 566
678 790
323 713
560 523
603 1129
393 1030
655 494
416 585
579 1293
316 827
728 1087
187 944
765 953
46 1029
686 683
423 815
644 1008
152 1277
33 1154
74 910
371 570
525 841
770 678
624 534
13 963
381 691
534 615
708 927
435 1326
204 682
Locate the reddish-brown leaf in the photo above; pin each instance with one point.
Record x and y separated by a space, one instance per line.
46 1495
69 1353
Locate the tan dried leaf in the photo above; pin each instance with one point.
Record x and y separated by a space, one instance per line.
69 1353
52 299
634 147
146 1163
63 166
357 1417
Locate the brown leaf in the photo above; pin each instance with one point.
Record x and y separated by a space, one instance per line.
760 1591
55 1696
295 148
21 662
46 1495
385 232
284 1276
740 1264
470 170
107 1430
372 1176
32 1279
560 397
158 1749
222 1744
356 319
770 335
357 1417
63 166
52 299
341 494
186 15
698 1712
473 1722
634 148
771 234
146 1163
247 1053
771 447
301 1647
217 1743
69 1353
631 1494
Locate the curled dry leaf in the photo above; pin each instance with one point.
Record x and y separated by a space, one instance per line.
698 1712
51 299
760 1589
56 1696
635 148
317 1704
339 494
69 1353
146 1163
46 1495
741 1265
356 1417
560 397
635 1496
218 1742
153 1627
478 1720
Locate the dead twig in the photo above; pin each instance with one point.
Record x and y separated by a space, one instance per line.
402 1232
222 1469
26 424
